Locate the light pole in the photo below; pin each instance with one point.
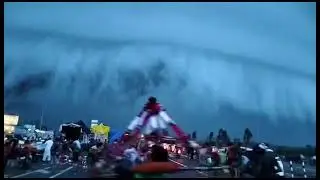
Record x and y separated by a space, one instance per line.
41 117
258 130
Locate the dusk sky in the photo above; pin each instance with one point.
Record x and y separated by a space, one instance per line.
212 65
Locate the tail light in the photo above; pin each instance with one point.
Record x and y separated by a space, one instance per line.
179 151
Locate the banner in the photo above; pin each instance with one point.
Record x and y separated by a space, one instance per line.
101 129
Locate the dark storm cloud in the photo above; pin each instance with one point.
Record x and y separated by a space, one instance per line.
247 64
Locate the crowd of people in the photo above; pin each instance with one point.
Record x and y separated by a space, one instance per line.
16 154
133 158
258 161
22 153
97 154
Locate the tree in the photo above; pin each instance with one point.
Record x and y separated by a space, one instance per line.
308 146
194 135
220 132
210 137
223 138
219 138
247 136
226 138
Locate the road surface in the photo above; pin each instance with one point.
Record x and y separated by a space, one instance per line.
297 169
185 162
47 170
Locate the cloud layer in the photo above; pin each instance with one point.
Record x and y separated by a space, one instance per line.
213 63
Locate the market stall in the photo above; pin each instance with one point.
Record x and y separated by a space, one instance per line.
71 131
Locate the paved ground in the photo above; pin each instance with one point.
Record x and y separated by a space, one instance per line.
186 174
46 170
184 162
298 170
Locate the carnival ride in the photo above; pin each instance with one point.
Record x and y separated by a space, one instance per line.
152 123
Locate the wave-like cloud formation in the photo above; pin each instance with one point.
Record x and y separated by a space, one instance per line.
198 58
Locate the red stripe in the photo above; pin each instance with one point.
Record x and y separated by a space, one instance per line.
145 121
178 131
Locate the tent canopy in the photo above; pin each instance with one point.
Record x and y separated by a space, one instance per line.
80 124
84 127
115 136
71 130
68 125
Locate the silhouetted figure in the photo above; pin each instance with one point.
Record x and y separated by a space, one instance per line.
194 135
247 136
223 138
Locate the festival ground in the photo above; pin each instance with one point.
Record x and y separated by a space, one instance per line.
46 170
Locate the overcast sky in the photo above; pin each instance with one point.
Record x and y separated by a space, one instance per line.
212 65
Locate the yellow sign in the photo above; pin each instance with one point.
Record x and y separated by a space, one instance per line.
100 129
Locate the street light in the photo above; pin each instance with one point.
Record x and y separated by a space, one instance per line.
42 114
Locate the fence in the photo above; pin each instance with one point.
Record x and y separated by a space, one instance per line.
303 169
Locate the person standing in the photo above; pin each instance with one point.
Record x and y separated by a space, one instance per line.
7 151
76 150
47 150
158 154
12 153
234 158
131 154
